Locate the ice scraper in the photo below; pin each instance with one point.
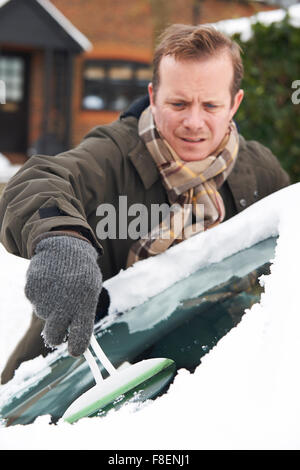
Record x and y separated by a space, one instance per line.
142 380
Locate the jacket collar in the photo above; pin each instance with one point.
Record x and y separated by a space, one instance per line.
144 164
140 156
149 174
242 180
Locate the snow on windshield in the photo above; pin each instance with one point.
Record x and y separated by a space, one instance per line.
244 395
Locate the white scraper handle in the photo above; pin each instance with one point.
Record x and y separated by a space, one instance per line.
93 366
102 358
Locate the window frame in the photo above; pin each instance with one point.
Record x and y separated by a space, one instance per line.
111 86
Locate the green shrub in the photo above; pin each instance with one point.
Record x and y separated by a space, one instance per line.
267 114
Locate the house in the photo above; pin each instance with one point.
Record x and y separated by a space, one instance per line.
69 65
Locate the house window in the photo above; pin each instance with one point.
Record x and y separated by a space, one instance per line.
113 85
12 74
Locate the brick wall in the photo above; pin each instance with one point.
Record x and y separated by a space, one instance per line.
118 29
125 29
132 22
36 96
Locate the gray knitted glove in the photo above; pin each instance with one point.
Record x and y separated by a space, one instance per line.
63 284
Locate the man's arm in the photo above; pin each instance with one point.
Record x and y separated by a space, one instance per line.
53 192
44 216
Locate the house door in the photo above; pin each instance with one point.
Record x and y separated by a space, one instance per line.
14 73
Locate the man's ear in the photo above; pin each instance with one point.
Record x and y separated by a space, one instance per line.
237 101
151 94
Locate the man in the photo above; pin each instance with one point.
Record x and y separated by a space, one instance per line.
183 150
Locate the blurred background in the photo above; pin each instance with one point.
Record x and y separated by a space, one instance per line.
69 65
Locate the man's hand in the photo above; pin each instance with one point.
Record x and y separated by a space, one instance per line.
63 284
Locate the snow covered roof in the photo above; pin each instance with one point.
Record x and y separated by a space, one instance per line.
62 21
243 25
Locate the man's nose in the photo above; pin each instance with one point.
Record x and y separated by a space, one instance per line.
194 119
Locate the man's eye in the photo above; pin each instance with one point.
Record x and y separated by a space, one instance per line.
210 105
178 105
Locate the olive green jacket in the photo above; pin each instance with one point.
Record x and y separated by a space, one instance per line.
66 191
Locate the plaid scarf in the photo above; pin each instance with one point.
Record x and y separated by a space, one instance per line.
192 189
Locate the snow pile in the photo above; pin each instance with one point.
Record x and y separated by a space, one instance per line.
245 394
7 170
257 223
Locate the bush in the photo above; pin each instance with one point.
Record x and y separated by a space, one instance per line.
267 114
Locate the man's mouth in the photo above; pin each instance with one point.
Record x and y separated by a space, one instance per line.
193 140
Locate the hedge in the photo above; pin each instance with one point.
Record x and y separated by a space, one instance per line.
272 65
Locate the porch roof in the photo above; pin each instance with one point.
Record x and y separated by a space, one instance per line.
39 24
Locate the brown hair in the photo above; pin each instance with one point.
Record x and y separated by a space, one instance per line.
185 42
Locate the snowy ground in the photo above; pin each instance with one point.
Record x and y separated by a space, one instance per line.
245 395
6 169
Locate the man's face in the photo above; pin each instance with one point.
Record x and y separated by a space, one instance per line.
192 107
